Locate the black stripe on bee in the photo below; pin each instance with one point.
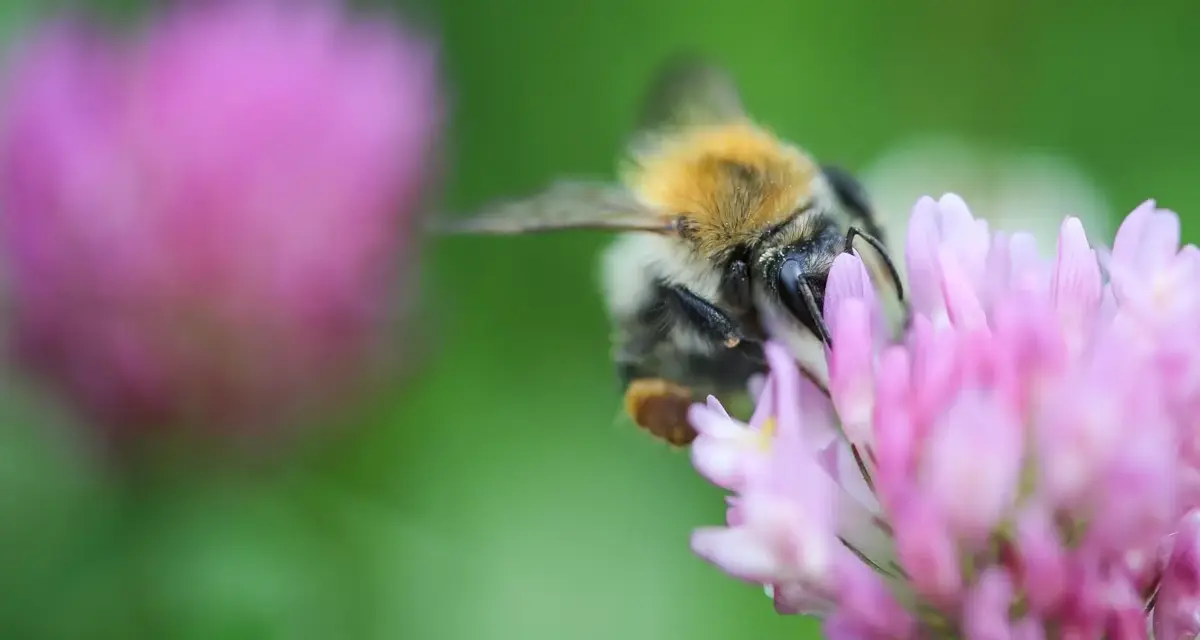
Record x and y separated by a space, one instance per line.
853 198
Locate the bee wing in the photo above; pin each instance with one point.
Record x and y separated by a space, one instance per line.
690 91
564 206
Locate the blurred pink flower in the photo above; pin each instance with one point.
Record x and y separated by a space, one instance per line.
206 225
1011 466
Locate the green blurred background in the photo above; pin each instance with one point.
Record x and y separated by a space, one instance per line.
496 493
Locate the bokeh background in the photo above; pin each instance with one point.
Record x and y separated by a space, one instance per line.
495 492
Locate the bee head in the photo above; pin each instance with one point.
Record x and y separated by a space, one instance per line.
789 278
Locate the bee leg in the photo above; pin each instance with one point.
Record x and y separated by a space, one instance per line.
656 403
893 273
703 316
853 196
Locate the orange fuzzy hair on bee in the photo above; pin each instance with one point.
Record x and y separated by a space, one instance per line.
730 181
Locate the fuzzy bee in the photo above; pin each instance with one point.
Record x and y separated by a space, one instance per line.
726 231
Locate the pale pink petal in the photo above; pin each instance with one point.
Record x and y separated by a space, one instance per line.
1108 307
928 552
786 381
1076 280
1042 558
858 521
966 236
765 409
1137 498
848 280
722 462
924 237
714 422
957 220
1027 269
1127 614
799 598
1085 611
756 384
1028 628
998 270
866 599
733 512
851 371
715 405
1159 241
798 527
1174 293
895 437
740 552
839 626
839 461
963 305
821 423
1078 433
935 368
1190 254
725 450
1024 252
1127 244
1177 608
985 615
974 492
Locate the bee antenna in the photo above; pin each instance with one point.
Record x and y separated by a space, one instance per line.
810 301
893 273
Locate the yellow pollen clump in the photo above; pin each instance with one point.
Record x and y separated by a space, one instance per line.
766 433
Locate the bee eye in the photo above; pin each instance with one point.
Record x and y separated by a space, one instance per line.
790 274
800 297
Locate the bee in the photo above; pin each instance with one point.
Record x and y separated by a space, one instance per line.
725 232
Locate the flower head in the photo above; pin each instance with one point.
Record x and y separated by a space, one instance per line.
1010 463
204 225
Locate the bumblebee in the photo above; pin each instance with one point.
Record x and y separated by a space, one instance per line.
726 233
